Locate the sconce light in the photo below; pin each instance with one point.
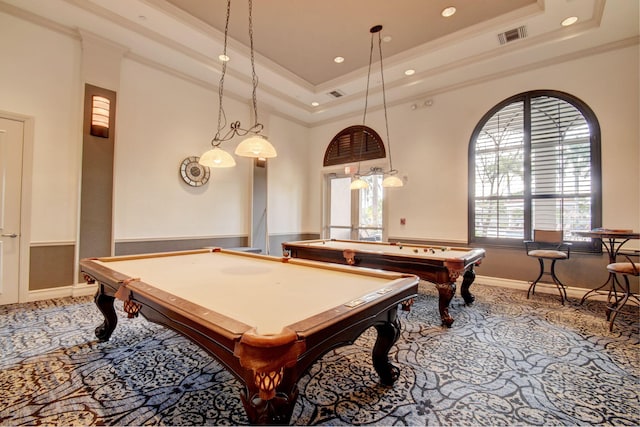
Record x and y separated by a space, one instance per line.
100 116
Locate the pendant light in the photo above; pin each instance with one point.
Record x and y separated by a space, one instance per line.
391 179
255 145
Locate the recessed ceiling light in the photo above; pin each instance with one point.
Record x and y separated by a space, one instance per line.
223 58
315 104
569 21
338 59
142 17
449 11
410 72
387 39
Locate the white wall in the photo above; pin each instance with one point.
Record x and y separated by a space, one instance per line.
287 177
430 144
161 120
39 77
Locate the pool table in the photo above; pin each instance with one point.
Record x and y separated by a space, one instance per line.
437 264
266 319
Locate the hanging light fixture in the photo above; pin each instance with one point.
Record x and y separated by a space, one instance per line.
255 145
391 179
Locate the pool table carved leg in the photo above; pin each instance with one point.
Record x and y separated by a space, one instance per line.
467 280
105 305
446 291
277 410
388 334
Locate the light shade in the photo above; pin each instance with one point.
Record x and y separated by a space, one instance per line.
358 184
100 107
256 146
392 181
217 158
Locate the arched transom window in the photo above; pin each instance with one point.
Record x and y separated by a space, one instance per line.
353 144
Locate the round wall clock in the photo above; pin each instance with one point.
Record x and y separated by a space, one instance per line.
193 173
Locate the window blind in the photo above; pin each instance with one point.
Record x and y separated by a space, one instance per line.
535 163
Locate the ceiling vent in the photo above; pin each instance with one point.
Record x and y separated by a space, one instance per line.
513 35
336 93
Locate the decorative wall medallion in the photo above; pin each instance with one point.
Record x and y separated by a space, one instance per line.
193 173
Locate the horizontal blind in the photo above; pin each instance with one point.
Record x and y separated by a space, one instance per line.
499 174
560 165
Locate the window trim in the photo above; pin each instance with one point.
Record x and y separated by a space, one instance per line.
596 168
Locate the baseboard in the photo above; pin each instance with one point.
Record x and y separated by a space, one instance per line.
80 290
546 288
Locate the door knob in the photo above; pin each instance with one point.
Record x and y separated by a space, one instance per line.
12 235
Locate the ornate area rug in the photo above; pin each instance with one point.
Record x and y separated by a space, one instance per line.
505 361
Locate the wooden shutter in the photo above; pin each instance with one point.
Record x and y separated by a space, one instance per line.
354 144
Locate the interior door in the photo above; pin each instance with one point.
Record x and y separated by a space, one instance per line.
355 214
11 147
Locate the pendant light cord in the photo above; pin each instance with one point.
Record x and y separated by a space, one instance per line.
384 101
366 93
222 117
366 104
254 76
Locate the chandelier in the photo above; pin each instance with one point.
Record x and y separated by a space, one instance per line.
391 179
255 145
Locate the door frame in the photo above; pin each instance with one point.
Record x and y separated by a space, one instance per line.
28 123
326 200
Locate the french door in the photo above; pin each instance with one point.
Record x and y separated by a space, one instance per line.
354 214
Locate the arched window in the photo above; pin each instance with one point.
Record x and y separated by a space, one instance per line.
353 144
534 162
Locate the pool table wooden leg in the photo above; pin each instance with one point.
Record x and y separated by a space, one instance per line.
467 280
388 334
275 411
105 305
446 291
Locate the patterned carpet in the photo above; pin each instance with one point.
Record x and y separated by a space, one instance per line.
506 361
